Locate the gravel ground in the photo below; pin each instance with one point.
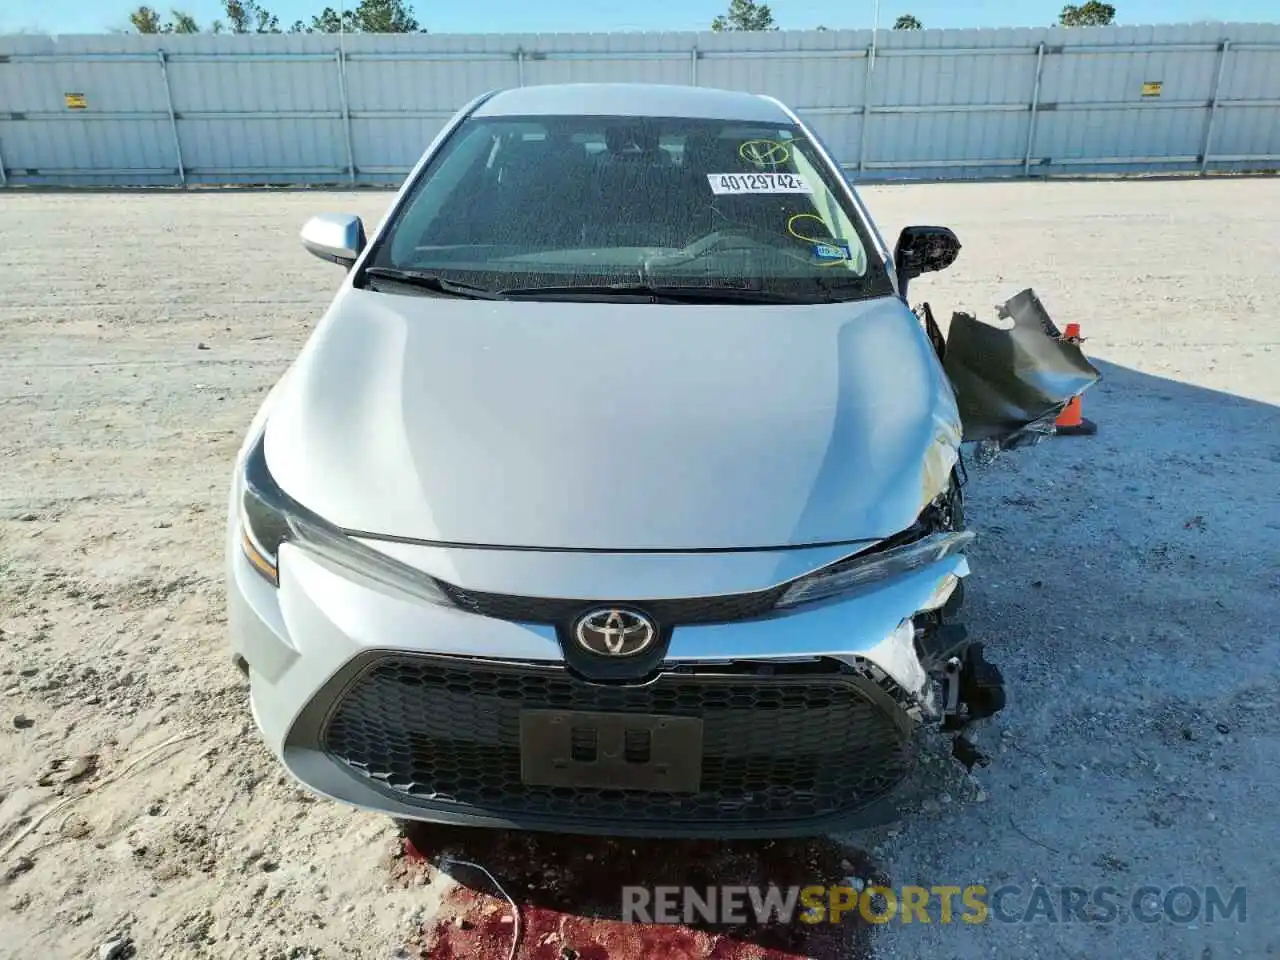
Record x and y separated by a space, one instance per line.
1128 584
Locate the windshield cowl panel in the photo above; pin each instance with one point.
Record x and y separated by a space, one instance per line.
712 210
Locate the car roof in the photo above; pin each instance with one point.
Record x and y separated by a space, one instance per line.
633 100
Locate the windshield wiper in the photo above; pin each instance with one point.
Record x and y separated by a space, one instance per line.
679 292
433 282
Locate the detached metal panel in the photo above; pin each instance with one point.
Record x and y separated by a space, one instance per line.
930 104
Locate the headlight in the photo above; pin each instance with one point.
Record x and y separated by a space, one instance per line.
269 518
856 571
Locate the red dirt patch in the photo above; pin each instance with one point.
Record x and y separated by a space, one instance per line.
569 893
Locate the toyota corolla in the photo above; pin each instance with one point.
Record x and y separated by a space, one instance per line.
619 488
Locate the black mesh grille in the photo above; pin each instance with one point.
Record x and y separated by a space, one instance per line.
668 613
774 749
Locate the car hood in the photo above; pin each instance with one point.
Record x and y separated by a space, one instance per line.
614 426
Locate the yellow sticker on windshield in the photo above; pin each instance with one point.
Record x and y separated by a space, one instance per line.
827 250
765 153
807 237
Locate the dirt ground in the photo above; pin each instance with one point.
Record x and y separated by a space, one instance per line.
1129 585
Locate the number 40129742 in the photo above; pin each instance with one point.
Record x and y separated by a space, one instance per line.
757 183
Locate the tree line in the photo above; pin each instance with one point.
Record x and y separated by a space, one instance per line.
396 16
752 15
249 16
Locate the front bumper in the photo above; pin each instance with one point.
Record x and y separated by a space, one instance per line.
414 710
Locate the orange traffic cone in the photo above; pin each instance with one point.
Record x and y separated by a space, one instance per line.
1071 422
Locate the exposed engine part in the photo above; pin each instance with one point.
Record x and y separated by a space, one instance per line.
943 513
951 687
975 688
937 641
970 686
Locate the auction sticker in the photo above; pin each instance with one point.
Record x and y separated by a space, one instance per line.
758 183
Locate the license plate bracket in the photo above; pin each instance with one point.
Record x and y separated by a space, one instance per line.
622 751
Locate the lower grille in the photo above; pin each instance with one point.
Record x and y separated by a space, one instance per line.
444 732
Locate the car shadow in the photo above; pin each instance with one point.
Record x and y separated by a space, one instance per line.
1159 532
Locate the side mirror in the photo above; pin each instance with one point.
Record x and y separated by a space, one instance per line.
923 250
336 237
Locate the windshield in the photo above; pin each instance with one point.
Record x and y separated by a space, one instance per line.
558 203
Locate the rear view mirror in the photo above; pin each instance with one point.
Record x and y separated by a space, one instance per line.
336 237
923 250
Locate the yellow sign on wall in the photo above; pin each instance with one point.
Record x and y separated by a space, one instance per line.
1152 88
75 101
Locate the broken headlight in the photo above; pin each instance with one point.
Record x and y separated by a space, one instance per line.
858 571
269 517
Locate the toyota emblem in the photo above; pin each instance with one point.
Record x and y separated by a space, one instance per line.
615 633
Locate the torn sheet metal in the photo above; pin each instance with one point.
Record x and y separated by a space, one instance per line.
1011 382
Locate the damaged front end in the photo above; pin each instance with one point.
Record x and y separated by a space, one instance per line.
1011 384
945 675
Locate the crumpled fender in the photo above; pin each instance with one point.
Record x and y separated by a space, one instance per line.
1011 381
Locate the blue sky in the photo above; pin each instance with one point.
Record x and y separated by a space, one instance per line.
521 16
